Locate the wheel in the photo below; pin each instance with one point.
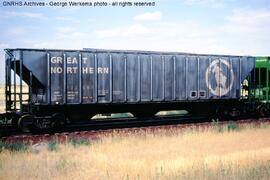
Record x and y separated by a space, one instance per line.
228 112
262 110
235 112
25 123
59 120
222 113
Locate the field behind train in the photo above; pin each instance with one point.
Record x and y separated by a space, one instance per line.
214 153
2 98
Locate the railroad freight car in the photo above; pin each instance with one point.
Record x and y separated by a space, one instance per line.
68 85
261 90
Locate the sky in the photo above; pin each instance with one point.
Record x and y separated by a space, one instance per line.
233 27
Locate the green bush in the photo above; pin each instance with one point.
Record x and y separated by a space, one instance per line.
216 125
13 147
53 146
78 142
232 126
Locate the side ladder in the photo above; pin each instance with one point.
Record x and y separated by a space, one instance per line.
16 95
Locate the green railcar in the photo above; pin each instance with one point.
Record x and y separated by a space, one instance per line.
262 75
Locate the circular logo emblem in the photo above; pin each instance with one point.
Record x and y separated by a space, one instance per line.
219 77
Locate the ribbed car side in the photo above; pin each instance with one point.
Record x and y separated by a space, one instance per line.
72 84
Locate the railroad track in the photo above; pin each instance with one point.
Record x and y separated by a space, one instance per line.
6 131
105 128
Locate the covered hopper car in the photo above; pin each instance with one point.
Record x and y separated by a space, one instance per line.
70 85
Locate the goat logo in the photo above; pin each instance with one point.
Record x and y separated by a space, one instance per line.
219 77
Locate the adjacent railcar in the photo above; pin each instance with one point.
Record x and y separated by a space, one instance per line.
261 90
75 84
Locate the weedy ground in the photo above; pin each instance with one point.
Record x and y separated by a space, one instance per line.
214 153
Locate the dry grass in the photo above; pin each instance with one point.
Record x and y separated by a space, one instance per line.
2 98
241 154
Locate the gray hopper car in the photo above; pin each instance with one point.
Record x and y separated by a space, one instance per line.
89 81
